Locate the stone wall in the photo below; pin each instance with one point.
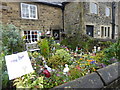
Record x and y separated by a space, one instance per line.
77 15
48 16
97 20
108 77
72 17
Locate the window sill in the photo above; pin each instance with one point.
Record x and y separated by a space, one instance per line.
29 18
93 14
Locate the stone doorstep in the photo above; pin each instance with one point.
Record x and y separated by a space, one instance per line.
109 73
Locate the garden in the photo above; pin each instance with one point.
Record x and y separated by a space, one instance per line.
57 63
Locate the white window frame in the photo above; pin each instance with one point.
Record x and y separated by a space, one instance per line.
95 11
31 36
36 16
106 12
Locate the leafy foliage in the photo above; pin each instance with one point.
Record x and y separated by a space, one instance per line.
61 57
78 40
55 61
29 81
11 41
56 79
112 54
44 47
64 55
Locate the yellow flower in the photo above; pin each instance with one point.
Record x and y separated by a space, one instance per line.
81 58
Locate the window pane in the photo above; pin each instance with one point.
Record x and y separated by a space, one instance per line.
105 31
28 36
93 8
35 36
32 32
35 39
28 32
32 36
32 11
25 11
107 11
102 31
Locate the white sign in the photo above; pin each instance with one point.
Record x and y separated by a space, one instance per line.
18 64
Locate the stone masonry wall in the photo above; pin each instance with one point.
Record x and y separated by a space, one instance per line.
98 19
72 17
77 15
48 17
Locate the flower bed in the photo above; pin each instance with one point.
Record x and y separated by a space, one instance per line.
56 64
62 65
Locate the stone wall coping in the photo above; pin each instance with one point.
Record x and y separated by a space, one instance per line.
99 79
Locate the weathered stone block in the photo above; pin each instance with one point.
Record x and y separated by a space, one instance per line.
89 81
115 84
110 73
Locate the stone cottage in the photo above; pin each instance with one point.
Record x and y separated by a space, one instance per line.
33 18
95 19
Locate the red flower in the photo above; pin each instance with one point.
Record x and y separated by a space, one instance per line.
47 73
79 48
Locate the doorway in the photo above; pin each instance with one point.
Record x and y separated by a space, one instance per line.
90 30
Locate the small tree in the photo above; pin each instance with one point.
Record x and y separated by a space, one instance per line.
11 39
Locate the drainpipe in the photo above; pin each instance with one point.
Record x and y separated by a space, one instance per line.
113 19
63 8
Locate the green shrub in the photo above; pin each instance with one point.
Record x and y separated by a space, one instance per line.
61 57
55 61
44 47
79 40
66 57
112 53
11 39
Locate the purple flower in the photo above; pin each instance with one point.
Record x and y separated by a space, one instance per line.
93 62
58 74
103 65
113 59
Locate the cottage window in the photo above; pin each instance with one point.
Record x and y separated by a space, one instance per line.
105 31
93 8
107 11
31 36
28 11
